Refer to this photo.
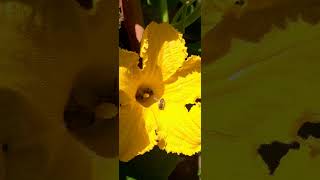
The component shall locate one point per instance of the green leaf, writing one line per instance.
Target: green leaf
(186, 15)
(193, 16)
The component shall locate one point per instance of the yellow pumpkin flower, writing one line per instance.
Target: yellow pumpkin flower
(160, 95)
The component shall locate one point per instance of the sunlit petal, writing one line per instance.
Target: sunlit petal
(136, 131)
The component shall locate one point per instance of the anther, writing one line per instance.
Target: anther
(146, 95)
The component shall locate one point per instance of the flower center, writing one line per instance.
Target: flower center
(145, 96)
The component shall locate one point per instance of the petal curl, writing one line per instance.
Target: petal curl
(136, 131)
(192, 64)
(128, 58)
(162, 46)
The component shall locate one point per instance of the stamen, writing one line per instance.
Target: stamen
(143, 94)
(146, 95)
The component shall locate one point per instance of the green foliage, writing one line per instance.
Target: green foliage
(179, 13)
(188, 13)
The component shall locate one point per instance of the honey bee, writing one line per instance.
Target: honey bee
(161, 104)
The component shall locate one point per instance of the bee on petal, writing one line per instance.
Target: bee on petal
(161, 104)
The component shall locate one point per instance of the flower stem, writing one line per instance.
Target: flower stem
(164, 11)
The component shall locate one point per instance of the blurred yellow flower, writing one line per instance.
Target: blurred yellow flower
(160, 95)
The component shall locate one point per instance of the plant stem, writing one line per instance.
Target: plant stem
(164, 11)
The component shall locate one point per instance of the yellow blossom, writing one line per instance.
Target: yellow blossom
(160, 95)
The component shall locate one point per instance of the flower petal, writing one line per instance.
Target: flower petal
(130, 75)
(128, 58)
(179, 131)
(136, 131)
(179, 128)
(162, 46)
(192, 64)
(184, 87)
